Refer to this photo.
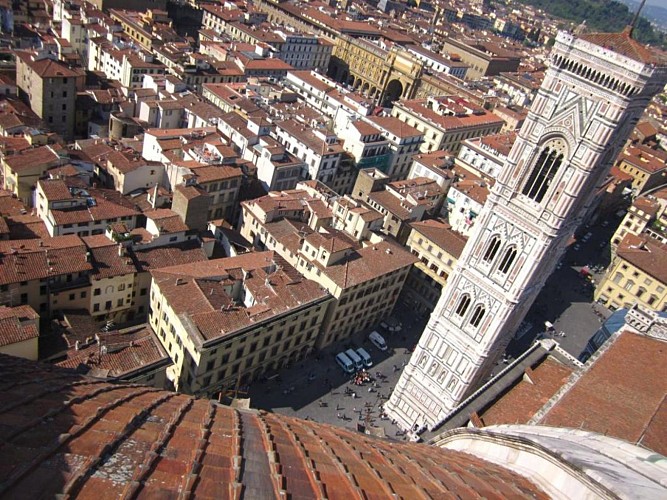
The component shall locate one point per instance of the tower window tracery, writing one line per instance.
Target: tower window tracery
(544, 171)
(492, 249)
(507, 260)
(477, 316)
(464, 303)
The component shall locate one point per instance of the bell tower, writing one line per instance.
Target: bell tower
(593, 93)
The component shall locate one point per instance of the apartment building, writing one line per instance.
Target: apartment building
(437, 165)
(22, 170)
(403, 202)
(73, 210)
(49, 87)
(134, 355)
(637, 274)
(365, 277)
(485, 156)
(404, 143)
(366, 144)
(128, 172)
(277, 169)
(111, 280)
(438, 247)
(647, 167)
(19, 332)
(46, 274)
(232, 320)
(465, 198)
(647, 215)
(446, 121)
(435, 62)
(316, 146)
(483, 58)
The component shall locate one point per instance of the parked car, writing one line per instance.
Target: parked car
(378, 341)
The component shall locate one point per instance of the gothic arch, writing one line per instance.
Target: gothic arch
(463, 305)
(508, 258)
(553, 152)
(492, 248)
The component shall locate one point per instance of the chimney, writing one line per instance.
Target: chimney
(121, 250)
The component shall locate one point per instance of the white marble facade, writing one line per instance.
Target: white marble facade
(588, 104)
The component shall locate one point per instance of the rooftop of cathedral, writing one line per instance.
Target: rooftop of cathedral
(67, 433)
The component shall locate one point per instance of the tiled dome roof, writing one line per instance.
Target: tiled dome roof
(61, 432)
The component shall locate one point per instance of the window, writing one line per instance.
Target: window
(477, 316)
(463, 305)
(83, 295)
(617, 278)
(544, 171)
(652, 300)
(641, 291)
(492, 249)
(628, 286)
(97, 291)
(508, 259)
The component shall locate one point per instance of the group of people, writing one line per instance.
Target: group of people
(362, 377)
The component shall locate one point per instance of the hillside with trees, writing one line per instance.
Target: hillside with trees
(600, 15)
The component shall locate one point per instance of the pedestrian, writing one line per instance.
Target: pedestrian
(338, 415)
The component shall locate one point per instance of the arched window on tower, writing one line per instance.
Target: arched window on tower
(477, 315)
(545, 169)
(507, 260)
(492, 249)
(464, 303)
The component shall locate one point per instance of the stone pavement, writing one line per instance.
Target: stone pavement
(316, 388)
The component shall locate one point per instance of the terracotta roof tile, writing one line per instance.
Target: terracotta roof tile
(621, 394)
(88, 438)
(124, 354)
(624, 44)
(18, 324)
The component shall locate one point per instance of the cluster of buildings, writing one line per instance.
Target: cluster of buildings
(198, 194)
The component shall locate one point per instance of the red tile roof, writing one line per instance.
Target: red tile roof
(623, 44)
(646, 254)
(25, 260)
(443, 235)
(124, 355)
(621, 394)
(43, 156)
(532, 392)
(18, 324)
(65, 433)
(200, 291)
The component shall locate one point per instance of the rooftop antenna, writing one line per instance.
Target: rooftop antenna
(636, 18)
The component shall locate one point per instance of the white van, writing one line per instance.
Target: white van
(345, 363)
(356, 359)
(378, 341)
(368, 362)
